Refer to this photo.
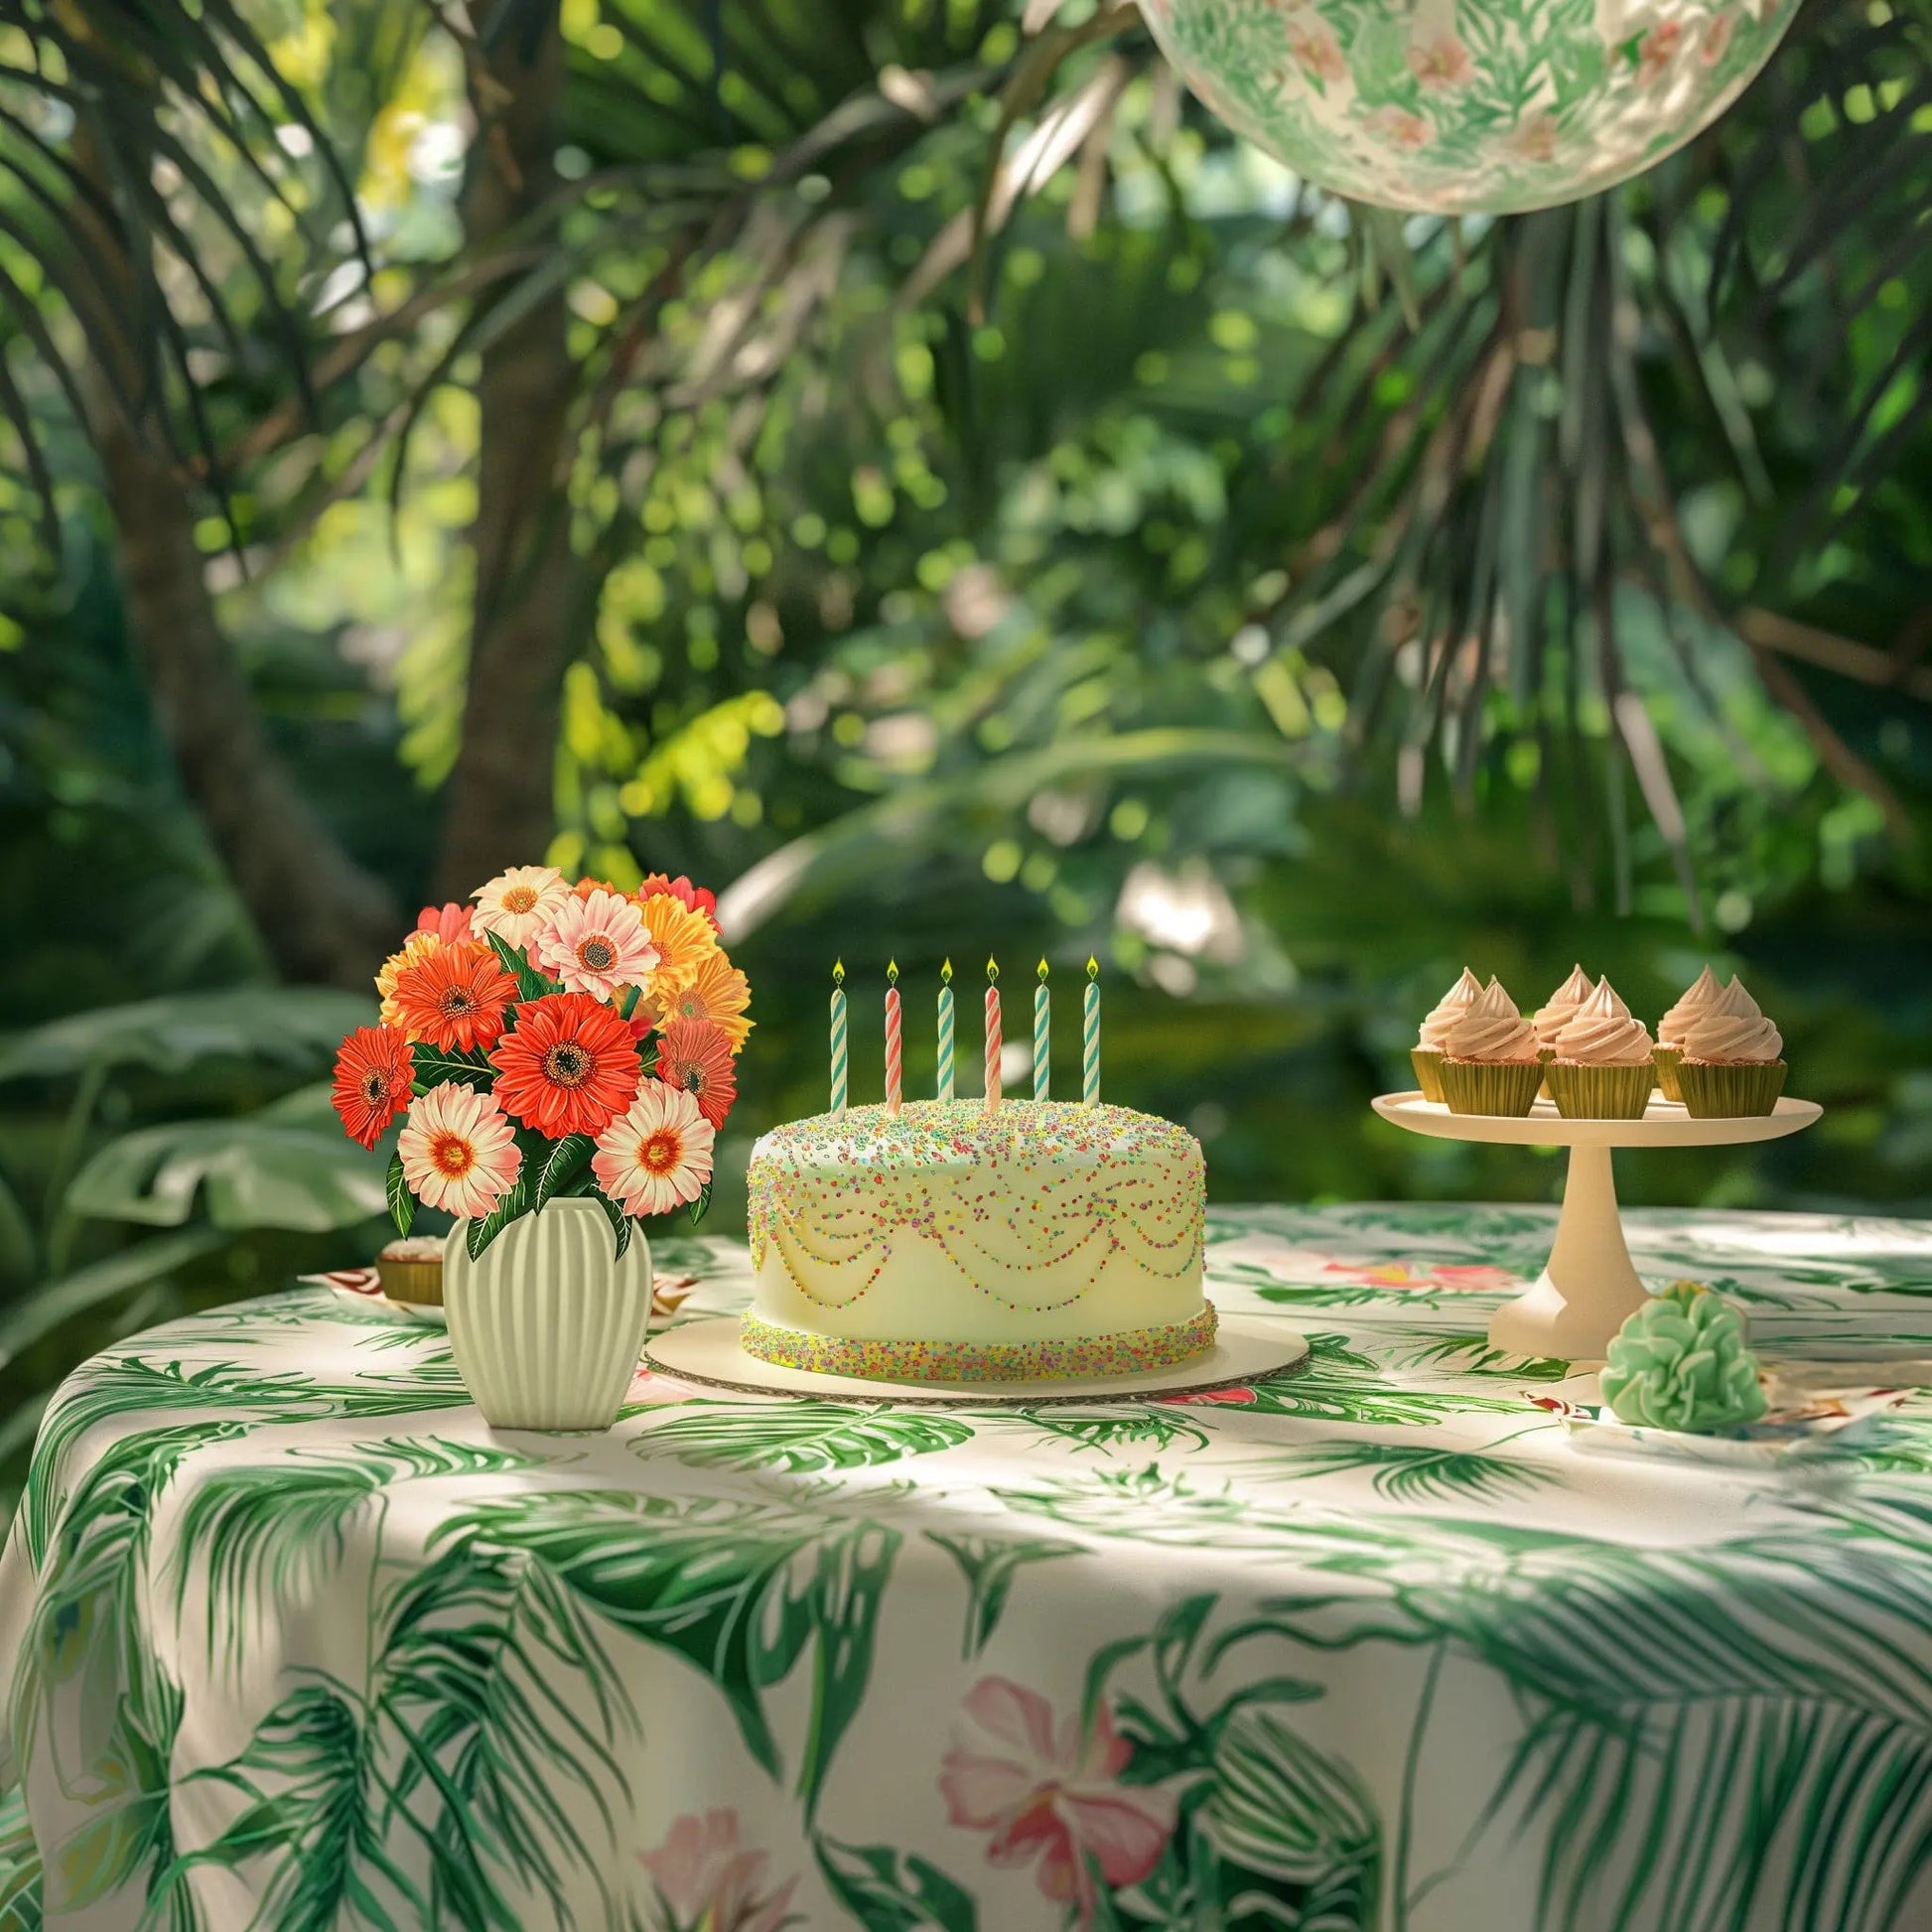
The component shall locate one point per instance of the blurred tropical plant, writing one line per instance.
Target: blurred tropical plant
(909, 457)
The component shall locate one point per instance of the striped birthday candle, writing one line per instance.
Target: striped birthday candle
(945, 1031)
(838, 1036)
(894, 1042)
(1090, 1038)
(1043, 1037)
(992, 1035)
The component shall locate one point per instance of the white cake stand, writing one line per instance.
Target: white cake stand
(1588, 1286)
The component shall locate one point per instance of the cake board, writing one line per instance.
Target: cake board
(1246, 1350)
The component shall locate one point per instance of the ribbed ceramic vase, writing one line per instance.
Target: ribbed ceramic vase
(547, 1323)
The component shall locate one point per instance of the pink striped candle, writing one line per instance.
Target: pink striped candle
(895, 1042)
(992, 1035)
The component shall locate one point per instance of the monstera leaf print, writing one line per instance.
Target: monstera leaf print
(989, 1566)
(20, 1867)
(894, 1891)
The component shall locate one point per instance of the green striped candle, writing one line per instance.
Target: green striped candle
(1043, 1037)
(945, 1030)
(838, 1036)
(1090, 1038)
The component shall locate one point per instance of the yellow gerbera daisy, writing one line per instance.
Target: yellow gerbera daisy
(417, 946)
(684, 940)
(720, 994)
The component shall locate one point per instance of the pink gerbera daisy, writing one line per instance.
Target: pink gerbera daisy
(657, 1155)
(450, 923)
(596, 944)
(459, 1150)
(517, 904)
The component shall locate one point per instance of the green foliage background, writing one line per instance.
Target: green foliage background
(970, 610)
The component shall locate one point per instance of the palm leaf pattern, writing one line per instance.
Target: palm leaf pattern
(295, 1640)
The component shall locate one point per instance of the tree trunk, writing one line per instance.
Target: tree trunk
(320, 916)
(502, 797)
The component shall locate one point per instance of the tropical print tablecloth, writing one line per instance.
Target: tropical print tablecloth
(295, 1642)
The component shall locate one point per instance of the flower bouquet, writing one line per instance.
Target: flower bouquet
(554, 1047)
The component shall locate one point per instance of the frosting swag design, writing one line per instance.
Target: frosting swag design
(952, 1231)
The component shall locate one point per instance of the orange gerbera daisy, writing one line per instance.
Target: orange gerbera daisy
(417, 945)
(684, 940)
(718, 994)
(695, 1054)
(374, 1077)
(569, 1065)
(454, 996)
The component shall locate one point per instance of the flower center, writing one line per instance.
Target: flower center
(453, 1154)
(659, 1153)
(519, 898)
(567, 1064)
(691, 1078)
(456, 1002)
(376, 1089)
(597, 954)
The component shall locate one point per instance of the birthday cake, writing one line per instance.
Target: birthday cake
(954, 1242)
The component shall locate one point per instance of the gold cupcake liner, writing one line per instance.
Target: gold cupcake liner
(1490, 1086)
(1428, 1071)
(1617, 1092)
(420, 1281)
(1543, 1056)
(1665, 1060)
(1729, 1089)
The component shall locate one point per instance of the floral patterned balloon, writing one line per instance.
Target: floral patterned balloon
(1467, 106)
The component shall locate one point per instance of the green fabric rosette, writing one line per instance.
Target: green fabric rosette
(1681, 1362)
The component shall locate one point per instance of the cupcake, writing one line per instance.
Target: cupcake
(1557, 1012)
(1602, 1069)
(1559, 1008)
(1729, 1060)
(1703, 994)
(1427, 1053)
(1489, 1063)
(411, 1270)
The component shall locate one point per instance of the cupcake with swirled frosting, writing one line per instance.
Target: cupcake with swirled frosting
(1427, 1053)
(1700, 997)
(1602, 1069)
(1489, 1063)
(1731, 1058)
(1557, 1012)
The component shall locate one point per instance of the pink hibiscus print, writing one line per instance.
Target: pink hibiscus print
(1657, 51)
(1315, 50)
(707, 1883)
(1239, 1396)
(1466, 1278)
(1054, 1795)
(1536, 138)
(1440, 63)
(1399, 127)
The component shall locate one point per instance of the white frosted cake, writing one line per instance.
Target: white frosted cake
(1040, 1239)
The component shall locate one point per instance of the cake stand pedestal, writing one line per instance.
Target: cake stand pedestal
(1588, 1286)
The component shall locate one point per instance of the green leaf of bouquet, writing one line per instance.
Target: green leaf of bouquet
(509, 1206)
(436, 1064)
(402, 1203)
(564, 1164)
(530, 983)
(619, 1219)
(701, 1204)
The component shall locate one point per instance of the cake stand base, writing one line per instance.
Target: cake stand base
(1587, 1287)
(1247, 1348)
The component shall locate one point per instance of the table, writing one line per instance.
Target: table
(296, 1641)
